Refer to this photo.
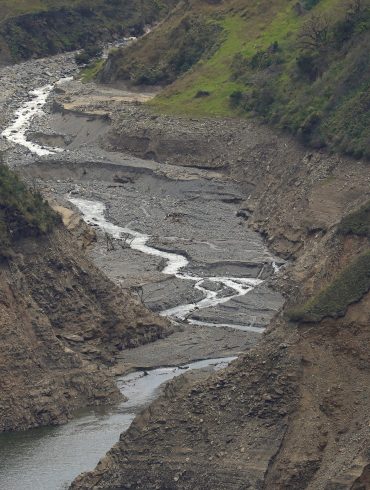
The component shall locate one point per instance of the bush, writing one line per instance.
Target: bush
(202, 93)
(333, 301)
(307, 66)
(343, 31)
(88, 54)
(264, 59)
(309, 4)
(235, 98)
(356, 223)
(260, 100)
(308, 126)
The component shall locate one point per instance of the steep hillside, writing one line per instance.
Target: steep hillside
(22, 213)
(301, 66)
(62, 321)
(44, 27)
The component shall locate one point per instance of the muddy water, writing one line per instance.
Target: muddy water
(50, 458)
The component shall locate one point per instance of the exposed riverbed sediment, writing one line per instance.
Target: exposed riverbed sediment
(171, 237)
(293, 411)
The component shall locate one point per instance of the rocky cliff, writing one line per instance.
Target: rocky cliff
(62, 321)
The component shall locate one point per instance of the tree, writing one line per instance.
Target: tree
(314, 35)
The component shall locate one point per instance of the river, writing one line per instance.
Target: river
(184, 247)
(50, 458)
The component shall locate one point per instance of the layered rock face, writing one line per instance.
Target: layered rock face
(62, 321)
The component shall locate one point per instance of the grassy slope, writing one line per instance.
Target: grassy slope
(356, 223)
(347, 288)
(170, 50)
(332, 110)
(245, 28)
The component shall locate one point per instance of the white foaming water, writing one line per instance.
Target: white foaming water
(17, 131)
(244, 328)
(94, 213)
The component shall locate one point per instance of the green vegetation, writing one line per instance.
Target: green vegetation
(22, 212)
(316, 85)
(301, 66)
(176, 51)
(91, 71)
(43, 27)
(333, 301)
(356, 223)
(89, 54)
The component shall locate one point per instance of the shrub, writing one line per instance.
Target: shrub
(309, 4)
(308, 126)
(235, 98)
(202, 93)
(260, 100)
(356, 223)
(307, 66)
(22, 212)
(333, 301)
(88, 54)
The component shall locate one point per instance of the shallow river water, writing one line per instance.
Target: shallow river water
(50, 458)
(94, 213)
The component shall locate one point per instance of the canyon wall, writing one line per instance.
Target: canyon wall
(293, 412)
(62, 323)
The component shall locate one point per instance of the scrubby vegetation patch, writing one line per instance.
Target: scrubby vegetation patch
(188, 40)
(349, 287)
(356, 223)
(23, 212)
(317, 85)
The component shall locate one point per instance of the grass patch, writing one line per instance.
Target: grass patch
(22, 212)
(356, 223)
(89, 73)
(347, 288)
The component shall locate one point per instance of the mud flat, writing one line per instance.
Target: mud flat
(188, 218)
